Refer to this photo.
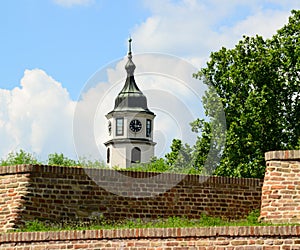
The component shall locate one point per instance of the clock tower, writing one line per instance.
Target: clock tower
(130, 124)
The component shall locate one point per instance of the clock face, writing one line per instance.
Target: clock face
(135, 125)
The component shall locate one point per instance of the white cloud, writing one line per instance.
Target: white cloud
(193, 29)
(262, 23)
(70, 3)
(36, 117)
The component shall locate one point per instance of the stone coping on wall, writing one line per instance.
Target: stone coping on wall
(148, 233)
(164, 176)
(283, 155)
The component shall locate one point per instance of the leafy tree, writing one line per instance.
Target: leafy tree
(202, 146)
(258, 83)
(158, 164)
(175, 151)
(60, 160)
(180, 157)
(17, 158)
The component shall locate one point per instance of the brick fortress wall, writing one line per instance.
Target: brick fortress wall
(281, 188)
(31, 192)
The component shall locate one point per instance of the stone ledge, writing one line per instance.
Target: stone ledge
(283, 155)
(148, 233)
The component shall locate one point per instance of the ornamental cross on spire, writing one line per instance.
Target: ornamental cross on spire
(129, 49)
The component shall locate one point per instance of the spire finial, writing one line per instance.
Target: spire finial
(130, 67)
(129, 44)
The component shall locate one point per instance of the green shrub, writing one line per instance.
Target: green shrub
(17, 158)
(60, 160)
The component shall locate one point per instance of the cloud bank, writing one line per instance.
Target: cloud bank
(193, 29)
(37, 116)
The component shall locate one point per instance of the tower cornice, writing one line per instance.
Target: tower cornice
(130, 140)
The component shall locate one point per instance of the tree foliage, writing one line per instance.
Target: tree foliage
(60, 160)
(258, 84)
(202, 147)
(180, 157)
(23, 157)
(18, 158)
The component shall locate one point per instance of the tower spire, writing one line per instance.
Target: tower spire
(131, 97)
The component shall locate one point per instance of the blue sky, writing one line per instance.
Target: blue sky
(63, 39)
(51, 48)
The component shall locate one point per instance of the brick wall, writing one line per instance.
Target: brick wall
(234, 238)
(31, 192)
(281, 188)
(13, 189)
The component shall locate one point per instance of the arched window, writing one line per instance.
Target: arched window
(135, 155)
(108, 155)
